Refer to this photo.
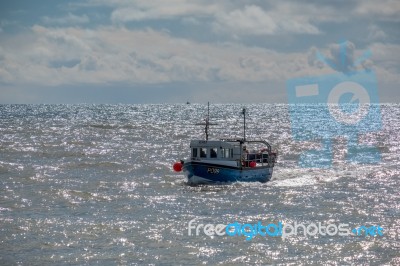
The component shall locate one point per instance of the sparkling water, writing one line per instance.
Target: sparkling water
(93, 184)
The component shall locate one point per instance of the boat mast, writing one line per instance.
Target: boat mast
(207, 121)
(244, 124)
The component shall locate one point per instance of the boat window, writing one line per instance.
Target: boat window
(194, 152)
(213, 152)
(203, 152)
(227, 153)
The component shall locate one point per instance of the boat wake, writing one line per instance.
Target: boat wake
(298, 177)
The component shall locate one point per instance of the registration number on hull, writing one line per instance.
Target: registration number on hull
(212, 170)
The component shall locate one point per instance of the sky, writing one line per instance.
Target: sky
(226, 51)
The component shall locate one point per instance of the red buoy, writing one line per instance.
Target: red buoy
(178, 167)
(253, 164)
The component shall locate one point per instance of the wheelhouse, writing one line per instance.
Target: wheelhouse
(233, 150)
(214, 150)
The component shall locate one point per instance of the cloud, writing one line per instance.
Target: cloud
(340, 57)
(206, 42)
(69, 19)
(384, 59)
(253, 20)
(59, 56)
(375, 33)
(313, 60)
(387, 56)
(149, 10)
(384, 10)
(224, 16)
(250, 20)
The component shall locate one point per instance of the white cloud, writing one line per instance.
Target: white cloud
(112, 54)
(310, 11)
(64, 53)
(384, 60)
(253, 20)
(66, 20)
(387, 56)
(376, 33)
(146, 10)
(342, 55)
(253, 17)
(385, 10)
(59, 56)
(190, 21)
(227, 17)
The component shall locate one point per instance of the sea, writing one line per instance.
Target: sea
(93, 185)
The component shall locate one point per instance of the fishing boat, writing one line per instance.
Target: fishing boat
(227, 160)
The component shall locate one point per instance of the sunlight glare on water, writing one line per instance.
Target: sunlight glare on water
(87, 184)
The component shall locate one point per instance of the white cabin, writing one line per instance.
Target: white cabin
(215, 150)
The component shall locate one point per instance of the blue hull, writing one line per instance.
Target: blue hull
(206, 173)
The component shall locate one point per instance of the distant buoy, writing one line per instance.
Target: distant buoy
(178, 167)
(253, 164)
